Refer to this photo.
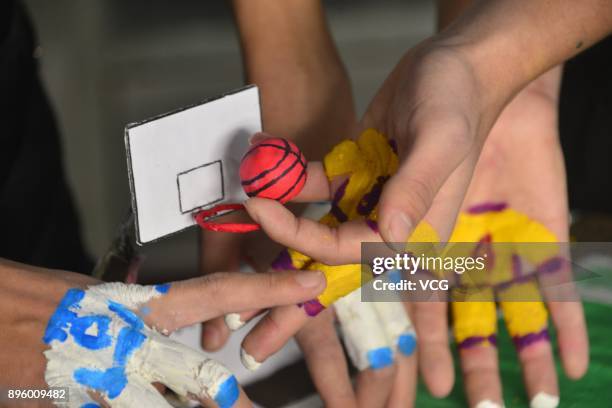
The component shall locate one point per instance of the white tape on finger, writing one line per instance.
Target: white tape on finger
(364, 337)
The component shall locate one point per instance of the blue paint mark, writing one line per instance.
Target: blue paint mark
(127, 341)
(63, 316)
(163, 288)
(394, 276)
(112, 380)
(145, 310)
(228, 393)
(406, 343)
(126, 314)
(90, 405)
(380, 357)
(80, 325)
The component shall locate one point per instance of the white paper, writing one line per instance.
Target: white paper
(187, 160)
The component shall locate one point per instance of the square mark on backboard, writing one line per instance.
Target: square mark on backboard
(200, 186)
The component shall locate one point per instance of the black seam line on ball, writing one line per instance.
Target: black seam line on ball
(267, 171)
(302, 174)
(272, 182)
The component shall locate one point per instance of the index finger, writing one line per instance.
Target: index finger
(332, 246)
(200, 299)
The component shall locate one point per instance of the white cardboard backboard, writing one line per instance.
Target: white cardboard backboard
(187, 160)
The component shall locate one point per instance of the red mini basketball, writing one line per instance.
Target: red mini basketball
(273, 168)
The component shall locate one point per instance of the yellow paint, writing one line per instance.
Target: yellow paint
(474, 319)
(507, 226)
(363, 161)
(524, 317)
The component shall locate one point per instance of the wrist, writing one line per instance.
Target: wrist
(30, 293)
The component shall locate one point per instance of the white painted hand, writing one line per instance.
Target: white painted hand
(101, 346)
(106, 346)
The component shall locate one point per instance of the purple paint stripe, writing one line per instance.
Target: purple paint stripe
(474, 341)
(335, 210)
(487, 207)
(515, 281)
(373, 225)
(313, 307)
(520, 342)
(517, 267)
(283, 261)
(552, 265)
(393, 145)
(340, 192)
(370, 200)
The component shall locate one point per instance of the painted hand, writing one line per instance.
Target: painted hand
(101, 349)
(521, 169)
(102, 340)
(381, 342)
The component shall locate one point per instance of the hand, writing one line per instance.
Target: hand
(439, 139)
(434, 108)
(522, 167)
(342, 244)
(122, 317)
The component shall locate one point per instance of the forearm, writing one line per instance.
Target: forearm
(546, 85)
(513, 42)
(289, 53)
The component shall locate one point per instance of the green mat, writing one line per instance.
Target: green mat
(593, 390)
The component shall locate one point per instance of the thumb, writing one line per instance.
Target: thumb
(437, 149)
(200, 299)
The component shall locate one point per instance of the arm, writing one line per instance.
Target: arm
(513, 42)
(289, 53)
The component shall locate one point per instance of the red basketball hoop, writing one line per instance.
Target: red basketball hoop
(202, 216)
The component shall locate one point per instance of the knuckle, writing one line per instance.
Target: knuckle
(215, 286)
(271, 281)
(418, 194)
(271, 324)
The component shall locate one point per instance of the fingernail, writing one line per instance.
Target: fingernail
(380, 358)
(233, 321)
(406, 343)
(228, 392)
(248, 361)
(211, 336)
(399, 230)
(544, 400)
(310, 279)
(488, 404)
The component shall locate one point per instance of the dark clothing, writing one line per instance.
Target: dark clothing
(585, 123)
(38, 222)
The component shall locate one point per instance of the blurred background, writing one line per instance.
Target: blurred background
(108, 63)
